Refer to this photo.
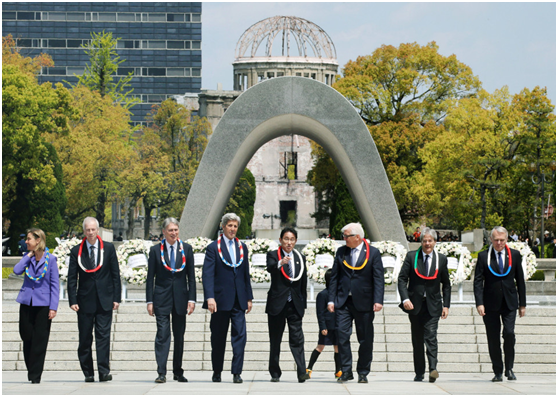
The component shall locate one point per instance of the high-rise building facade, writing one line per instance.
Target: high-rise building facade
(161, 43)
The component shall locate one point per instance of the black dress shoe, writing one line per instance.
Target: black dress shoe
(161, 379)
(433, 376)
(418, 378)
(237, 378)
(274, 379)
(180, 378)
(510, 375)
(216, 377)
(105, 377)
(345, 377)
(497, 378)
(35, 381)
(90, 378)
(362, 378)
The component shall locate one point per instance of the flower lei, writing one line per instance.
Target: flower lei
(136, 275)
(283, 269)
(221, 254)
(488, 262)
(528, 258)
(318, 247)
(394, 249)
(437, 264)
(365, 261)
(62, 253)
(465, 260)
(44, 270)
(181, 248)
(101, 254)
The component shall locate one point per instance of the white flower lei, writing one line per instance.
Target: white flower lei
(318, 247)
(395, 249)
(462, 254)
(138, 275)
(528, 258)
(199, 244)
(62, 253)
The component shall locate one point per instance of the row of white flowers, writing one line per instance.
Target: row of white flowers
(132, 258)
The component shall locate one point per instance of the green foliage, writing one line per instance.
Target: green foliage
(343, 210)
(242, 203)
(537, 276)
(6, 271)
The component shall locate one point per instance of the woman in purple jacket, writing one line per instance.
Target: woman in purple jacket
(39, 301)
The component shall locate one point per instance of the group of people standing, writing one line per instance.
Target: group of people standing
(354, 293)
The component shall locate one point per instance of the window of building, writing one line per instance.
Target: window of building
(24, 42)
(71, 70)
(124, 71)
(9, 15)
(156, 71)
(299, 74)
(154, 98)
(196, 17)
(26, 15)
(107, 16)
(73, 43)
(196, 72)
(287, 211)
(56, 16)
(196, 45)
(280, 74)
(175, 17)
(126, 17)
(270, 75)
(175, 71)
(156, 44)
(75, 16)
(55, 70)
(306, 74)
(175, 44)
(187, 72)
(156, 17)
(187, 45)
(57, 43)
(125, 44)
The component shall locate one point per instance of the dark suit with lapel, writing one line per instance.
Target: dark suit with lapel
(95, 294)
(354, 293)
(231, 290)
(501, 297)
(427, 310)
(279, 310)
(170, 293)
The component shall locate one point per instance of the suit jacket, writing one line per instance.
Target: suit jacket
(84, 288)
(491, 290)
(44, 292)
(165, 288)
(366, 285)
(221, 282)
(413, 287)
(281, 287)
(326, 319)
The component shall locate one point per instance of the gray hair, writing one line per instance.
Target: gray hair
(499, 229)
(231, 216)
(90, 219)
(168, 221)
(355, 228)
(430, 232)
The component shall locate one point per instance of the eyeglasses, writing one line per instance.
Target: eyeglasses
(345, 236)
(289, 240)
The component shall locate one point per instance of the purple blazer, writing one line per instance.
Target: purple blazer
(44, 292)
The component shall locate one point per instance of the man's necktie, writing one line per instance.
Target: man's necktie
(290, 273)
(92, 262)
(231, 253)
(172, 259)
(426, 265)
(500, 263)
(354, 257)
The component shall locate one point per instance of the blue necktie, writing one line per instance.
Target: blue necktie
(172, 257)
(500, 263)
(231, 253)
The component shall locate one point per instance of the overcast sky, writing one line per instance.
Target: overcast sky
(511, 44)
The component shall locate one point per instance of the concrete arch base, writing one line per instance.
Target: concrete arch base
(283, 106)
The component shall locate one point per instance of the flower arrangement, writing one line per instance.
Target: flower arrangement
(199, 272)
(260, 246)
(62, 253)
(529, 260)
(391, 248)
(259, 275)
(462, 254)
(321, 246)
(199, 244)
(135, 275)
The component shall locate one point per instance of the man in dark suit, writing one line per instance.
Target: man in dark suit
(356, 291)
(497, 297)
(94, 292)
(286, 301)
(420, 278)
(170, 288)
(227, 295)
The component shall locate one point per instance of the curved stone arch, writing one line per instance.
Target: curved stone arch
(283, 106)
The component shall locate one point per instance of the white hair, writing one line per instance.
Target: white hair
(430, 232)
(355, 228)
(231, 216)
(169, 221)
(499, 229)
(90, 219)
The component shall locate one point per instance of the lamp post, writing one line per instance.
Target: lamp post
(271, 216)
(539, 178)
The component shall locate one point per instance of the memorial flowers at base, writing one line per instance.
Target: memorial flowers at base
(62, 253)
(322, 246)
(464, 259)
(528, 258)
(199, 244)
(394, 249)
(138, 274)
(258, 271)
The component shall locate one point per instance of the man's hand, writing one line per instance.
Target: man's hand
(324, 332)
(115, 305)
(51, 314)
(378, 307)
(249, 307)
(211, 305)
(445, 312)
(150, 309)
(480, 309)
(521, 311)
(408, 305)
(331, 307)
(74, 308)
(191, 307)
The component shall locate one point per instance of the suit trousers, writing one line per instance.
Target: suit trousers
(364, 323)
(276, 326)
(34, 329)
(493, 325)
(219, 326)
(163, 342)
(424, 330)
(102, 321)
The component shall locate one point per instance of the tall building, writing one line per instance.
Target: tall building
(161, 43)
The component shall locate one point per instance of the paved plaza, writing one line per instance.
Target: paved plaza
(257, 383)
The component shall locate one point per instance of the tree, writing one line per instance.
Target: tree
(242, 202)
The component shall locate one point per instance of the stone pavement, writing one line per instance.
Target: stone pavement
(257, 382)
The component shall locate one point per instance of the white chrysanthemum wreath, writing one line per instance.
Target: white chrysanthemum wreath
(322, 246)
(464, 259)
(133, 267)
(395, 249)
(62, 254)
